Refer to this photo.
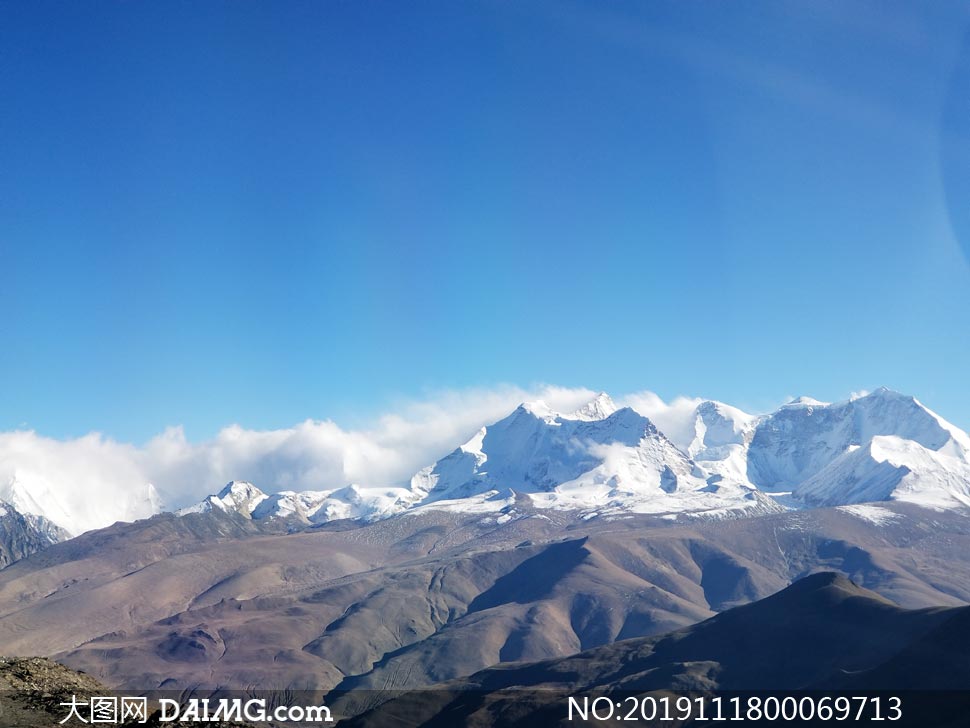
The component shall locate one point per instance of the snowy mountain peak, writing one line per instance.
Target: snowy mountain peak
(23, 534)
(538, 409)
(305, 507)
(721, 434)
(717, 424)
(237, 496)
(591, 463)
(240, 490)
(890, 468)
(885, 391)
(885, 394)
(474, 445)
(804, 401)
(598, 408)
(797, 444)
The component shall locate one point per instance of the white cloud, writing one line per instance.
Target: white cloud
(78, 483)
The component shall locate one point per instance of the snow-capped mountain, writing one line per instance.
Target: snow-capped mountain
(805, 436)
(889, 468)
(236, 497)
(24, 534)
(598, 459)
(598, 408)
(350, 502)
(604, 459)
(720, 436)
(883, 446)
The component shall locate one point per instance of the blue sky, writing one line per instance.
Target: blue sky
(263, 212)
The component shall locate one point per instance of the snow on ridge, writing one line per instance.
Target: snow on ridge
(794, 444)
(804, 401)
(348, 502)
(876, 515)
(239, 496)
(598, 408)
(601, 459)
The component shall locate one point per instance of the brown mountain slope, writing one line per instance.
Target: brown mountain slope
(802, 638)
(188, 604)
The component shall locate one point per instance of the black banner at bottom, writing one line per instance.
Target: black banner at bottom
(502, 708)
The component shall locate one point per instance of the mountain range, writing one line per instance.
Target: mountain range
(823, 633)
(215, 599)
(605, 460)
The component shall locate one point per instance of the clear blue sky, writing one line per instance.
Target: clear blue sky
(216, 212)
